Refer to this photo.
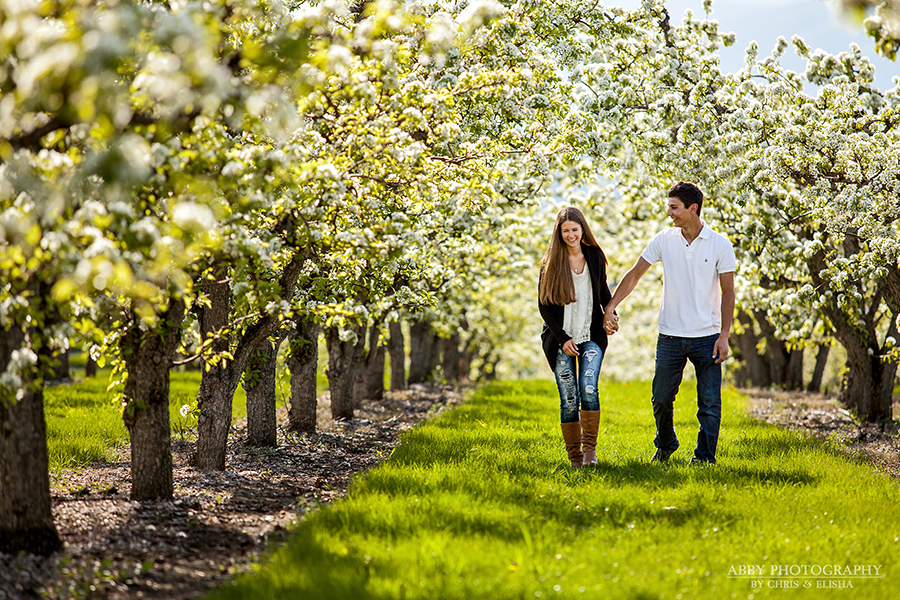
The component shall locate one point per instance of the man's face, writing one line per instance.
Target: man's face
(678, 213)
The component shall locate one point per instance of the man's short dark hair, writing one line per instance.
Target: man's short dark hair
(688, 193)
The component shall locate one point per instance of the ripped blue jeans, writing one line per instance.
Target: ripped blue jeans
(581, 391)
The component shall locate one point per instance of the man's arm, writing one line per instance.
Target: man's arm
(726, 282)
(625, 287)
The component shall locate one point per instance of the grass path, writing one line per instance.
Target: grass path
(477, 504)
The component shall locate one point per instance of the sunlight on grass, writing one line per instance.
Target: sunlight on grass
(479, 504)
(84, 424)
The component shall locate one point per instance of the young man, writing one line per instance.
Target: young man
(694, 317)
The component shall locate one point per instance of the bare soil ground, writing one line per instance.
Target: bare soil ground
(219, 522)
(821, 416)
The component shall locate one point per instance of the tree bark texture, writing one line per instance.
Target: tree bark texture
(220, 381)
(753, 370)
(343, 360)
(397, 350)
(216, 396)
(421, 348)
(815, 382)
(794, 370)
(435, 359)
(303, 360)
(868, 384)
(778, 366)
(259, 383)
(369, 384)
(26, 519)
(785, 367)
(148, 356)
(465, 362)
(452, 358)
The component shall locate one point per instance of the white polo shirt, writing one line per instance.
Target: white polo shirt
(692, 299)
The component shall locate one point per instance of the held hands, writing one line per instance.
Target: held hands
(611, 322)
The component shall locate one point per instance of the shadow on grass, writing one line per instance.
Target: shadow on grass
(672, 475)
(519, 454)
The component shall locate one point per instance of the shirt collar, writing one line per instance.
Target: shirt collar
(705, 231)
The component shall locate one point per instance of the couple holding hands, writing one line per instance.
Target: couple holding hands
(696, 309)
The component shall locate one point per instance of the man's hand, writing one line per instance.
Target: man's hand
(720, 350)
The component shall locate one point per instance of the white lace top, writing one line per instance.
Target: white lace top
(577, 315)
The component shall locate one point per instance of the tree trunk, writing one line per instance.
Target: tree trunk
(421, 342)
(369, 384)
(794, 372)
(452, 358)
(868, 389)
(465, 362)
(785, 366)
(343, 360)
(777, 367)
(753, 372)
(302, 360)
(216, 396)
(815, 383)
(259, 383)
(397, 350)
(869, 382)
(437, 348)
(26, 518)
(148, 355)
(218, 383)
(90, 367)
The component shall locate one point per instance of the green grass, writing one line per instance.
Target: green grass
(84, 424)
(477, 504)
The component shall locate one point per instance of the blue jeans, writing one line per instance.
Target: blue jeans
(580, 391)
(672, 353)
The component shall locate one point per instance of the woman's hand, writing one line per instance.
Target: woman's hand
(570, 348)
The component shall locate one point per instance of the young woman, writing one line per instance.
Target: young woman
(572, 296)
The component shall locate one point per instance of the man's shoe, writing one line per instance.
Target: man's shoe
(660, 456)
(699, 462)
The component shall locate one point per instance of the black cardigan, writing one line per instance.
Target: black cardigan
(553, 336)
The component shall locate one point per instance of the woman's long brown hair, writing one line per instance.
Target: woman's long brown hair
(557, 286)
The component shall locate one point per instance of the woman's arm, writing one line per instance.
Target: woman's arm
(553, 316)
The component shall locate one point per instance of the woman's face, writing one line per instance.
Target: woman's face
(571, 233)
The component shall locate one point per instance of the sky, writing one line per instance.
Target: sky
(818, 22)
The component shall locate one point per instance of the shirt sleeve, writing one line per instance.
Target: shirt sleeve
(653, 252)
(726, 262)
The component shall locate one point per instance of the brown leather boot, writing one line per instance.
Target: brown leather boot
(572, 437)
(590, 424)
